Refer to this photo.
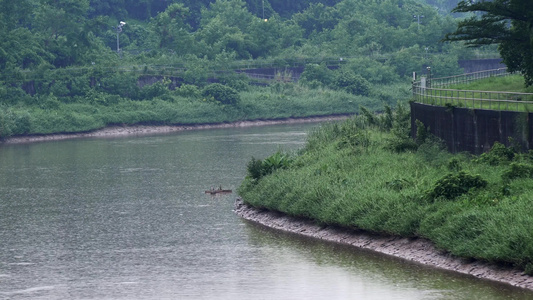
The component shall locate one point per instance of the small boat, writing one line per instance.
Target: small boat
(214, 191)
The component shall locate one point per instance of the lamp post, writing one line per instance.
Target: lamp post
(418, 19)
(119, 30)
(429, 77)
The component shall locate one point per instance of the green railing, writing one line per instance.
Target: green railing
(433, 91)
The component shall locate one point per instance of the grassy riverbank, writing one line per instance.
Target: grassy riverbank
(185, 105)
(365, 173)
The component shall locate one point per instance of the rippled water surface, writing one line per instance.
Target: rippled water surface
(127, 218)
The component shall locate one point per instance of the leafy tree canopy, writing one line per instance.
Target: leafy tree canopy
(507, 23)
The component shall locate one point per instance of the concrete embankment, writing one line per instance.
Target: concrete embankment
(416, 250)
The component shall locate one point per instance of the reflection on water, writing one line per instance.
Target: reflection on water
(127, 218)
(369, 274)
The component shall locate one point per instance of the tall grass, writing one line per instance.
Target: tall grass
(50, 114)
(363, 185)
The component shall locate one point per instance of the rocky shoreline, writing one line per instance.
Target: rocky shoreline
(137, 130)
(412, 249)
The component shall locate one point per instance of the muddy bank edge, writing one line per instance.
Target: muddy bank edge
(132, 130)
(416, 250)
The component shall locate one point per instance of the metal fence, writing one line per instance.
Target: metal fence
(433, 91)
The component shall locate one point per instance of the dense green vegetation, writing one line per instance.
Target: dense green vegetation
(60, 70)
(185, 105)
(506, 23)
(366, 173)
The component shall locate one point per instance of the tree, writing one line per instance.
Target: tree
(221, 93)
(171, 29)
(317, 18)
(61, 25)
(507, 23)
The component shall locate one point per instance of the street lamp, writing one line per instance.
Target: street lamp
(418, 19)
(119, 30)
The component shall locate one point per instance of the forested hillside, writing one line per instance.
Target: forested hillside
(56, 53)
(61, 33)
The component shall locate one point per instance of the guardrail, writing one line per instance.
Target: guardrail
(467, 77)
(432, 91)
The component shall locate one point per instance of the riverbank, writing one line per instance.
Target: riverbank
(416, 250)
(138, 130)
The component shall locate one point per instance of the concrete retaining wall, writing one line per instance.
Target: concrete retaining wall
(474, 130)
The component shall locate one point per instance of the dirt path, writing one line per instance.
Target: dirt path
(415, 250)
(114, 131)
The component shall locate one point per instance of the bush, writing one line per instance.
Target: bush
(422, 132)
(399, 144)
(401, 140)
(120, 83)
(157, 89)
(518, 170)
(7, 122)
(497, 154)
(257, 168)
(454, 165)
(221, 93)
(238, 82)
(351, 83)
(276, 161)
(316, 75)
(456, 184)
(188, 91)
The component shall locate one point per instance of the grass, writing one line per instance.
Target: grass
(512, 83)
(51, 114)
(494, 93)
(363, 185)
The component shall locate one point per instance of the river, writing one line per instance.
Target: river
(127, 218)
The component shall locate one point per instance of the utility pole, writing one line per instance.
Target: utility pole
(264, 11)
(119, 30)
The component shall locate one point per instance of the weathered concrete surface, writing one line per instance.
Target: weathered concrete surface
(416, 250)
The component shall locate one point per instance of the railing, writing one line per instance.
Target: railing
(467, 78)
(432, 91)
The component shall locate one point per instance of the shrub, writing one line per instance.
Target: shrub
(456, 184)
(399, 144)
(239, 82)
(454, 165)
(157, 89)
(122, 84)
(7, 122)
(221, 93)
(255, 168)
(518, 170)
(422, 132)
(188, 91)
(401, 140)
(433, 151)
(496, 155)
(353, 140)
(275, 161)
(351, 83)
(316, 75)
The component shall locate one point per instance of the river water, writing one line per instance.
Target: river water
(127, 218)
